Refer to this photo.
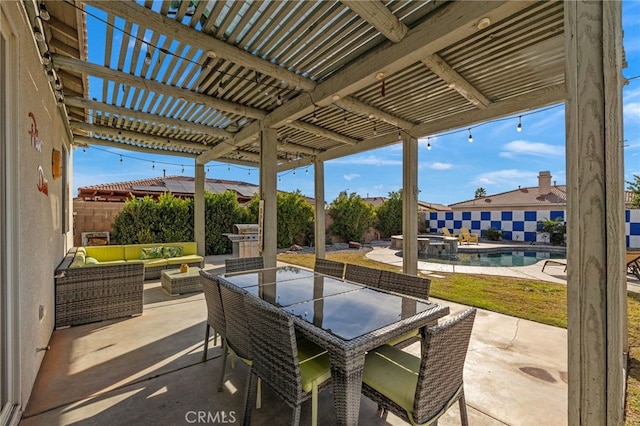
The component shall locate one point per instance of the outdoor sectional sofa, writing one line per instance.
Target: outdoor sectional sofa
(97, 283)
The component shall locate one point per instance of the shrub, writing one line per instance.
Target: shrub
(351, 215)
(295, 218)
(389, 215)
(222, 211)
(493, 234)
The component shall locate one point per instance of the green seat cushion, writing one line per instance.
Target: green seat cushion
(91, 260)
(407, 336)
(192, 258)
(147, 253)
(188, 247)
(314, 364)
(106, 253)
(149, 263)
(393, 373)
(108, 262)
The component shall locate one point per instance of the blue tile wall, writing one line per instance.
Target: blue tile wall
(520, 230)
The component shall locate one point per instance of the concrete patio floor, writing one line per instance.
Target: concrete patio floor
(148, 370)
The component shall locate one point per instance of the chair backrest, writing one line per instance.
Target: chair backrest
(444, 351)
(410, 285)
(215, 313)
(446, 232)
(236, 320)
(329, 267)
(362, 275)
(243, 264)
(465, 232)
(275, 352)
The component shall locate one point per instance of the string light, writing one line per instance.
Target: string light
(346, 120)
(121, 161)
(46, 58)
(314, 117)
(207, 169)
(182, 169)
(84, 150)
(306, 171)
(519, 128)
(428, 144)
(294, 172)
(153, 166)
(399, 135)
(228, 168)
(249, 172)
(279, 100)
(375, 131)
(470, 136)
(147, 58)
(38, 34)
(279, 178)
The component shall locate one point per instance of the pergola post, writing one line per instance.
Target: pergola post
(410, 206)
(595, 209)
(268, 195)
(320, 242)
(198, 209)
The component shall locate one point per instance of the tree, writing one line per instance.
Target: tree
(480, 192)
(389, 215)
(635, 188)
(351, 215)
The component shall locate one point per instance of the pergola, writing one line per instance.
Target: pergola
(279, 85)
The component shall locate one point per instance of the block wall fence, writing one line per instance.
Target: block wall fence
(518, 225)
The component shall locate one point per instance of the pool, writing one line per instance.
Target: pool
(499, 258)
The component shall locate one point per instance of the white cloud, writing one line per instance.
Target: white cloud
(371, 160)
(510, 178)
(440, 166)
(632, 111)
(539, 149)
(351, 176)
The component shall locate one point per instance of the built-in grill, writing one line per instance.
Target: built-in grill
(245, 242)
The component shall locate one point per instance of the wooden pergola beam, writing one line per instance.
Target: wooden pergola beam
(380, 17)
(455, 80)
(148, 18)
(88, 141)
(76, 65)
(322, 132)
(160, 141)
(147, 117)
(352, 104)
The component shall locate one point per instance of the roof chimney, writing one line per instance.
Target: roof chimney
(544, 182)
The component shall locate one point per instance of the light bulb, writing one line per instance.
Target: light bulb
(46, 58)
(38, 34)
(470, 136)
(399, 135)
(228, 168)
(294, 172)
(314, 118)
(121, 159)
(279, 100)
(44, 13)
(519, 128)
(375, 131)
(428, 145)
(147, 58)
(182, 169)
(50, 75)
(153, 166)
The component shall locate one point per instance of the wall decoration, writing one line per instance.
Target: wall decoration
(56, 163)
(36, 142)
(43, 183)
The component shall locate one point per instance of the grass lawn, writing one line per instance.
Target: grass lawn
(523, 298)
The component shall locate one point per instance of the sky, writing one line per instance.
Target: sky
(499, 159)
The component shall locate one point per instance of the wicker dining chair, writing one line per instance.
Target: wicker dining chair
(409, 285)
(243, 264)
(237, 337)
(329, 267)
(437, 376)
(215, 314)
(295, 369)
(362, 275)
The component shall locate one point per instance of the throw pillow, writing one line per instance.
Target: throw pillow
(171, 251)
(151, 253)
(91, 261)
(78, 260)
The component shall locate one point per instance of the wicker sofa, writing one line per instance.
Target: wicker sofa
(97, 283)
(156, 257)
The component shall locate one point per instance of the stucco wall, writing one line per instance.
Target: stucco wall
(42, 243)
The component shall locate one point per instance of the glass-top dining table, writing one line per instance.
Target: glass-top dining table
(346, 318)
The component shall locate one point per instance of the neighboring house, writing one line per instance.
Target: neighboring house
(545, 196)
(423, 206)
(96, 206)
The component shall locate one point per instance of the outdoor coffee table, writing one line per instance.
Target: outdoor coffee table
(175, 282)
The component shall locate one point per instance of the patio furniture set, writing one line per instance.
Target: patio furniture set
(300, 330)
(98, 283)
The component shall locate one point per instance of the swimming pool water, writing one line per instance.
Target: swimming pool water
(513, 258)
